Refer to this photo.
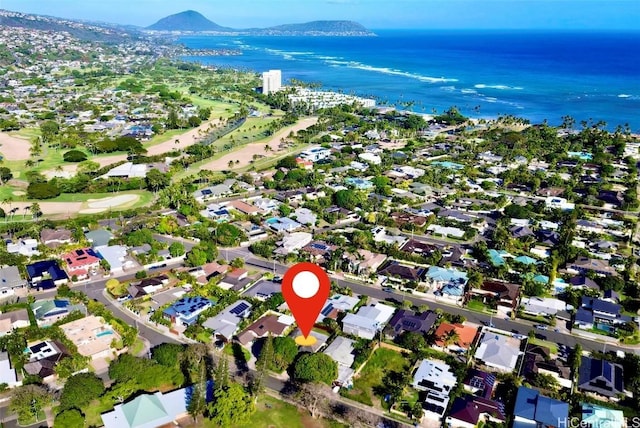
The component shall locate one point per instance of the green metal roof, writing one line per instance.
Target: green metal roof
(142, 410)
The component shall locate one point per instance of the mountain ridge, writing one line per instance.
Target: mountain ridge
(192, 21)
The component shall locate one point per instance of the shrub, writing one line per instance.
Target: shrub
(74, 156)
(42, 191)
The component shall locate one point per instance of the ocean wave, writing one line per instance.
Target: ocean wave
(500, 87)
(624, 96)
(468, 91)
(395, 72)
(448, 88)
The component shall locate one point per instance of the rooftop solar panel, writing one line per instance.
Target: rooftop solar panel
(239, 309)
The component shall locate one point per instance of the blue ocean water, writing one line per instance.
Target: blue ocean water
(535, 75)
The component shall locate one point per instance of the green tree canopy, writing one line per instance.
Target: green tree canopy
(80, 389)
(284, 352)
(28, 402)
(176, 249)
(74, 156)
(231, 405)
(71, 418)
(348, 199)
(315, 368)
(167, 354)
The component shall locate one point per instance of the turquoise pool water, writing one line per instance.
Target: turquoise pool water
(104, 333)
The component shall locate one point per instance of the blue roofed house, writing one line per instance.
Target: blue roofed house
(46, 274)
(601, 377)
(186, 310)
(598, 416)
(533, 410)
(451, 283)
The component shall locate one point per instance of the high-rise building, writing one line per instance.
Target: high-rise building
(271, 81)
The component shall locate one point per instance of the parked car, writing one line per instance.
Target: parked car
(541, 327)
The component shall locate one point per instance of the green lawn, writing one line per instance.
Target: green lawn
(92, 411)
(27, 133)
(371, 377)
(476, 305)
(553, 347)
(231, 350)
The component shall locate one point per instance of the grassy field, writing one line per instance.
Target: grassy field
(371, 377)
(553, 347)
(27, 133)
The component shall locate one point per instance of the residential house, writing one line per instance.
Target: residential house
(538, 360)
(116, 256)
(212, 192)
(464, 336)
(148, 286)
(533, 410)
(266, 205)
(598, 416)
(521, 232)
(292, 242)
(152, 410)
(585, 265)
(368, 321)
(274, 324)
(364, 262)
(186, 310)
(321, 340)
(408, 321)
(600, 377)
(413, 246)
(479, 383)
(542, 306)
(453, 232)
(263, 289)
(236, 280)
(600, 314)
(225, 324)
(402, 218)
(80, 262)
(46, 274)
(27, 247)
(99, 237)
(305, 216)
(216, 212)
(43, 358)
(336, 305)
(253, 231)
(342, 351)
(9, 321)
(583, 282)
(498, 292)
(450, 283)
(319, 251)
(557, 203)
(395, 271)
(436, 379)
(243, 207)
(611, 197)
(10, 278)
(469, 411)
(92, 336)
(498, 351)
(46, 312)
(8, 375)
(283, 224)
(53, 238)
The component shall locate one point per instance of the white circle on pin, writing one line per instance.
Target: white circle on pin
(306, 284)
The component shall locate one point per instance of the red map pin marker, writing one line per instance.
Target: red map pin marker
(305, 287)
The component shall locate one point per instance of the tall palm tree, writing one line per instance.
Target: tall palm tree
(35, 210)
(450, 338)
(7, 201)
(26, 209)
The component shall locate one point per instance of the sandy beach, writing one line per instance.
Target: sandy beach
(14, 148)
(245, 153)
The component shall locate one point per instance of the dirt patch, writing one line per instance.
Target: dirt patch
(14, 148)
(19, 193)
(245, 154)
(51, 208)
(112, 201)
(67, 171)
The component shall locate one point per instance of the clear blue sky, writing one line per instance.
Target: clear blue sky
(441, 14)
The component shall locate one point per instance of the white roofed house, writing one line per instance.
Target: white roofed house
(436, 379)
(225, 324)
(368, 321)
(498, 351)
(342, 352)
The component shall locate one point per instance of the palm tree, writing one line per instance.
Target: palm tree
(26, 208)
(35, 210)
(230, 164)
(7, 201)
(450, 338)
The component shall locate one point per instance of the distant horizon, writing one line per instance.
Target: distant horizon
(511, 15)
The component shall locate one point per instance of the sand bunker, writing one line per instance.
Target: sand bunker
(49, 208)
(112, 201)
(14, 148)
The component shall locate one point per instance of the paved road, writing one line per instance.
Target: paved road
(516, 326)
